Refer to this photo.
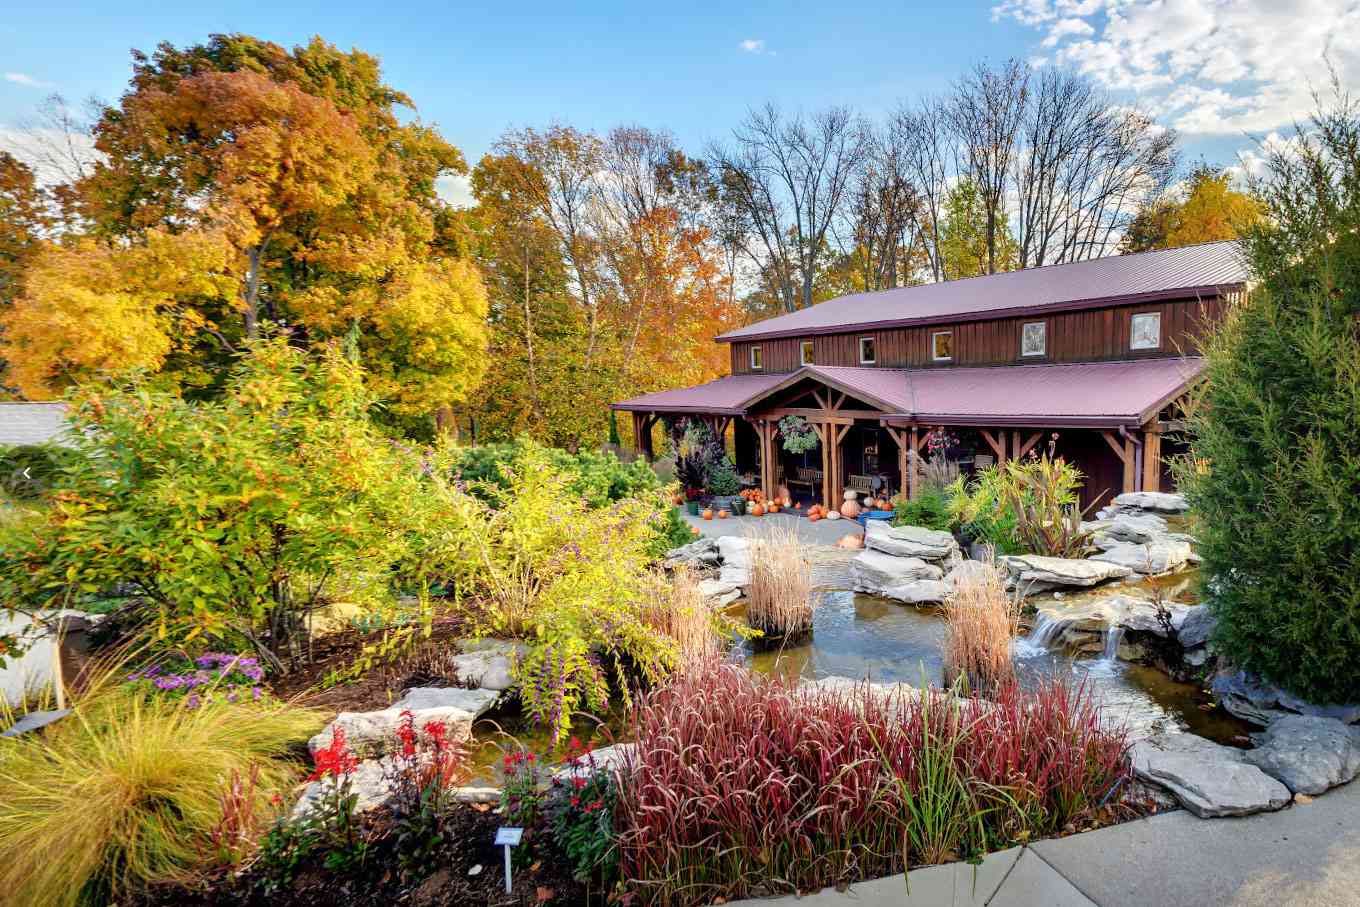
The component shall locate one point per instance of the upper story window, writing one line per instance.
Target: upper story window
(942, 346)
(805, 349)
(1145, 331)
(1034, 338)
(868, 352)
(755, 358)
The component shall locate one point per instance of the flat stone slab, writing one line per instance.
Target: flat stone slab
(736, 577)
(1208, 779)
(717, 593)
(372, 734)
(700, 553)
(605, 759)
(1310, 754)
(735, 551)
(892, 577)
(1156, 501)
(909, 541)
(487, 670)
(1154, 558)
(1253, 699)
(1036, 572)
(1138, 529)
(1124, 611)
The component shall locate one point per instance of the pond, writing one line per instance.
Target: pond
(861, 636)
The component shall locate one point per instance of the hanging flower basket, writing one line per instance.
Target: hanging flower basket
(798, 435)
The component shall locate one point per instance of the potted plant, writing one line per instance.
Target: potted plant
(738, 506)
(799, 436)
(723, 483)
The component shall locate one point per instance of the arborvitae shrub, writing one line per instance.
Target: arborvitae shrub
(1277, 430)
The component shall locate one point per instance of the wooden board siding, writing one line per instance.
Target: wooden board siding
(1092, 335)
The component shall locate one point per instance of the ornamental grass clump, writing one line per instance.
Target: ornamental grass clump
(981, 620)
(676, 607)
(779, 601)
(742, 784)
(133, 788)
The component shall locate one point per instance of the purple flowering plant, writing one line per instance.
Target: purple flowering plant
(211, 677)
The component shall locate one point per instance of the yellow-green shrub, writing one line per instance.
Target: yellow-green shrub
(128, 789)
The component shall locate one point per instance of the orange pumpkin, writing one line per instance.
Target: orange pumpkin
(678, 500)
(723, 514)
(756, 510)
(708, 513)
(774, 508)
(814, 517)
(694, 529)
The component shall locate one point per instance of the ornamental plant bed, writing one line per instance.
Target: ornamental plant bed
(470, 831)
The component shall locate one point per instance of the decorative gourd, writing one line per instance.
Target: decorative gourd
(782, 495)
(850, 509)
(850, 494)
(814, 517)
(773, 508)
(708, 513)
(833, 514)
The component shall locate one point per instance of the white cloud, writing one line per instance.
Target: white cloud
(455, 189)
(1212, 67)
(753, 45)
(23, 78)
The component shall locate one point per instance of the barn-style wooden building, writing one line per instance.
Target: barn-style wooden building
(1091, 357)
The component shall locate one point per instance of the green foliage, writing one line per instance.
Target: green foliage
(722, 478)
(798, 435)
(581, 817)
(674, 532)
(129, 789)
(236, 517)
(930, 509)
(568, 579)
(28, 471)
(1275, 468)
(599, 478)
(1042, 494)
(977, 511)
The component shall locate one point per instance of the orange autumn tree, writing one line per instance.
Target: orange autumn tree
(1209, 210)
(604, 281)
(23, 220)
(323, 201)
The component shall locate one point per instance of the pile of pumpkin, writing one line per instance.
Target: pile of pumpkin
(756, 505)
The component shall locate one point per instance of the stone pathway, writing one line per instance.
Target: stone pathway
(1308, 854)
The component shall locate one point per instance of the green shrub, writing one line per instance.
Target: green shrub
(1274, 472)
(672, 533)
(598, 478)
(234, 518)
(722, 479)
(131, 789)
(930, 509)
(28, 471)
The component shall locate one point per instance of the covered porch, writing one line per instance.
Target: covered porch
(871, 424)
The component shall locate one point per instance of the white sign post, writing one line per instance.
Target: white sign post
(508, 838)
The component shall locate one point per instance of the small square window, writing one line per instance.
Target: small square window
(868, 352)
(1034, 339)
(806, 348)
(755, 358)
(1145, 331)
(942, 346)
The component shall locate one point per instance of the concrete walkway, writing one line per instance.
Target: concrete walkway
(1308, 854)
(822, 532)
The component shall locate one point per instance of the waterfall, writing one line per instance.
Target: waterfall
(1046, 629)
(1113, 635)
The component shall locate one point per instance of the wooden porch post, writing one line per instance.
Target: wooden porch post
(1152, 458)
(1123, 449)
(909, 465)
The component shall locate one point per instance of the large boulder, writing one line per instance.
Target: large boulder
(1208, 779)
(700, 554)
(1036, 573)
(1138, 530)
(1156, 501)
(1196, 627)
(909, 541)
(895, 577)
(738, 577)
(1252, 699)
(717, 593)
(1161, 556)
(372, 734)
(489, 670)
(611, 758)
(1308, 753)
(735, 551)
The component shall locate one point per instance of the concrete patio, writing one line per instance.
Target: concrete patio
(1305, 855)
(822, 532)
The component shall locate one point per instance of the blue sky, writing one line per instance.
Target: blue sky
(1219, 70)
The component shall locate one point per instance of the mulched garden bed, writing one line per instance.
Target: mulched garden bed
(471, 831)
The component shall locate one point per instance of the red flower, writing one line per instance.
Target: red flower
(579, 782)
(406, 733)
(334, 760)
(575, 801)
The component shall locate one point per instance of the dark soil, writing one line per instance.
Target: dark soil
(450, 882)
(423, 664)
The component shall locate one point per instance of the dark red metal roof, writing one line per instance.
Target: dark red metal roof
(1203, 270)
(1098, 394)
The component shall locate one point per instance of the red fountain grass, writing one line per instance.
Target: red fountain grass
(742, 785)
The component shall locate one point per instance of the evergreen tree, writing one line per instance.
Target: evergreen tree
(1278, 428)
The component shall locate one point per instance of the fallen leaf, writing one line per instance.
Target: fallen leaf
(545, 894)
(538, 864)
(481, 807)
(1303, 798)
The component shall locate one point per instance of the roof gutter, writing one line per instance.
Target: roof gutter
(1044, 308)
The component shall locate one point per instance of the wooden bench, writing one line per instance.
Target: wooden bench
(861, 484)
(807, 476)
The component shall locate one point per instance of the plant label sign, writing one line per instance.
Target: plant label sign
(508, 837)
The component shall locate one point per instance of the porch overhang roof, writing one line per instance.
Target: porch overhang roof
(1079, 394)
